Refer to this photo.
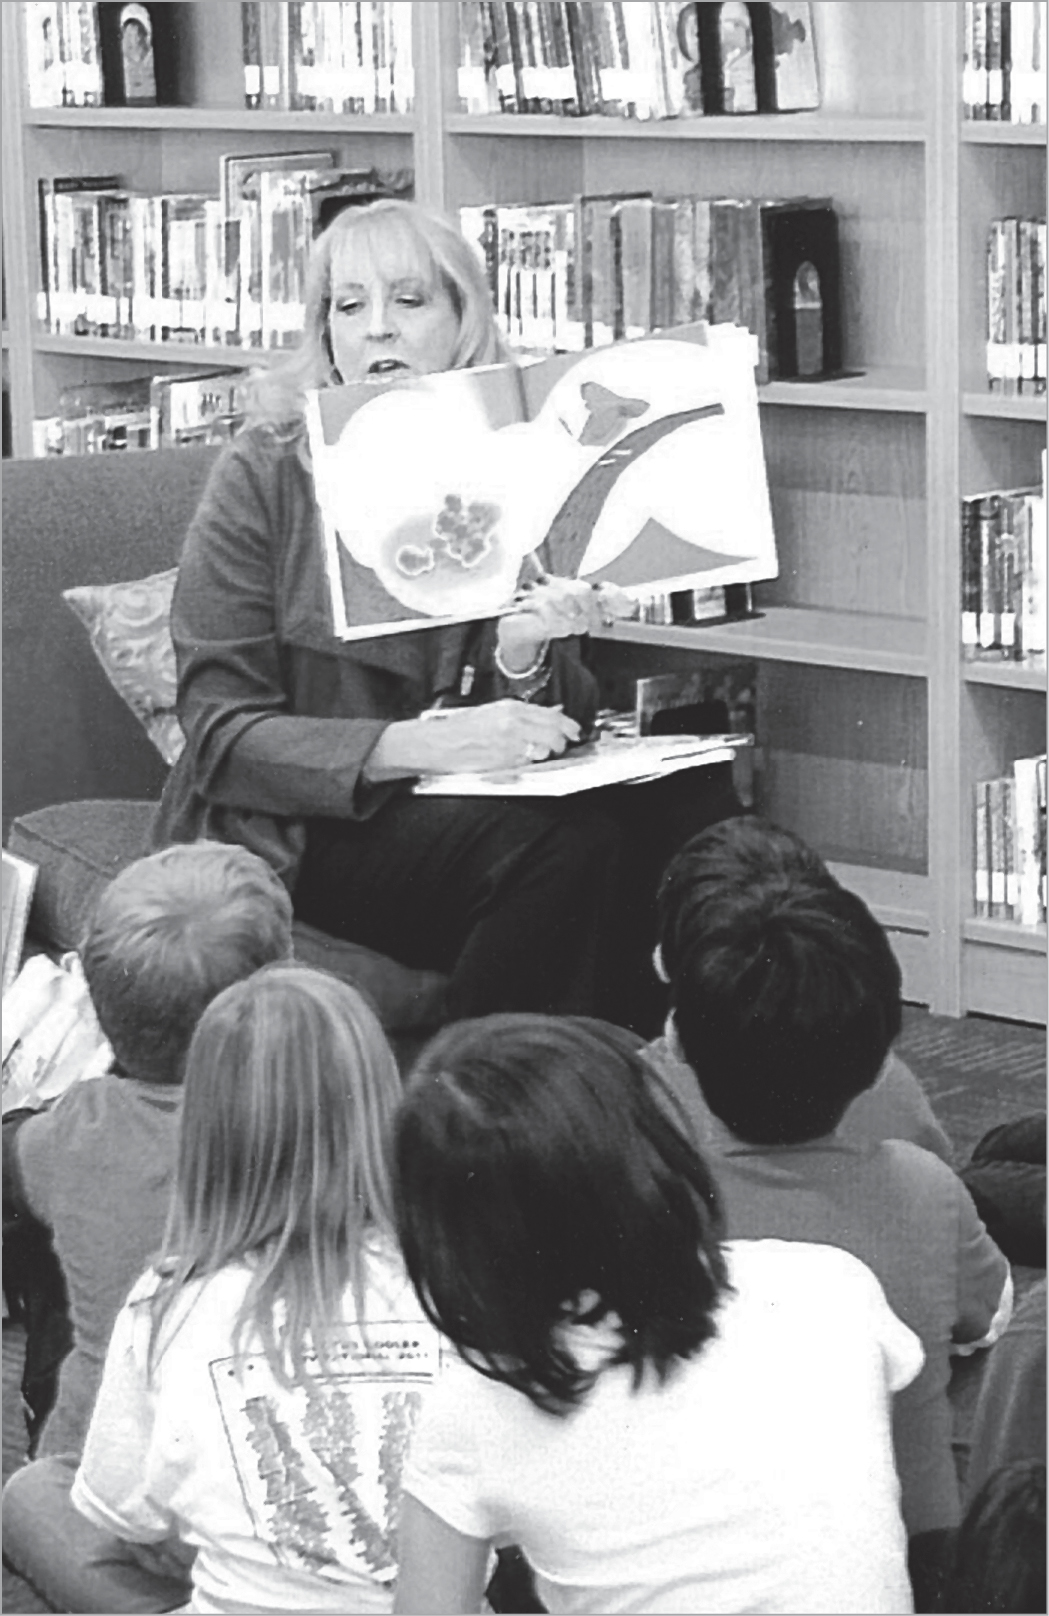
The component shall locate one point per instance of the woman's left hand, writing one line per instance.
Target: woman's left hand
(555, 609)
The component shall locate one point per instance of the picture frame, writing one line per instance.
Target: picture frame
(16, 895)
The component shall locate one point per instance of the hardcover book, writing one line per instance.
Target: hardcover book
(795, 81)
(19, 879)
(438, 494)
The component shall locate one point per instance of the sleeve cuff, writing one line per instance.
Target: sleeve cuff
(446, 1503)
(1000, 1322)
(107, 1520)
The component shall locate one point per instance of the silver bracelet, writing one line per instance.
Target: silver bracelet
(532, 672)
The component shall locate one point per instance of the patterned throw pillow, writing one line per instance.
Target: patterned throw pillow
(130, 632)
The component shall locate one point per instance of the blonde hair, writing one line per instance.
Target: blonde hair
(388, 228)
(168, 934)
(290, 1093)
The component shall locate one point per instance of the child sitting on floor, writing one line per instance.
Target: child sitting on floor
(168, 934)
(662, 1423)
(262, 1379)
(785, 998)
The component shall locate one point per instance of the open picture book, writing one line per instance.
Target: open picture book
(639, 465)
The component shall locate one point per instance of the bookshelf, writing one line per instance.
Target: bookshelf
(874, 730)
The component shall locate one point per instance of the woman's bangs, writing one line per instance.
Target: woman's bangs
(387, 246)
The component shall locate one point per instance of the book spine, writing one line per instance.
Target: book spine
(602, 272)
(1010, 874)
(703, 255)
(505, 73)
(515, 21)
(993, 58)
(251, 51)
(968, 63)
(298, 46)
(996, 849)
(1038, 297)
(1043, 891)
(1006, 112)
(685, 299)
(1009, 577)
(662, 237)
(633, 221)
(43, 61)
(1026, 318)
(273, 48)
(724, 222)
(1033, 612)
(979, 60)
(1022, 95)
(751, 272)
(114, 297)
(1027, 908)
(990, 519)
(970, 538)
(1011, 379)
(584, 61)
(996, 297)
(472, 76)
(46, 310)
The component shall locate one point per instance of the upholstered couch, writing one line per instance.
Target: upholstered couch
(80, 775)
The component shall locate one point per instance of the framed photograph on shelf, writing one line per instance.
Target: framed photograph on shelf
(19, 879)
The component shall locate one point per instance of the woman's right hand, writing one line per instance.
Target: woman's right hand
(498, 735)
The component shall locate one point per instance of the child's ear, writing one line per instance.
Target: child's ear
(658, 966)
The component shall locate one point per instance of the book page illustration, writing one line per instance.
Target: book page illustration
(642, 466)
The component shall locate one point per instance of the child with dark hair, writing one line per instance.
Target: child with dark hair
(893, 1106)
(785, 1000)
(999, 1557)
(663, 1423)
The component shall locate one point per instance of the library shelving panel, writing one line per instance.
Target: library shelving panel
(1002, 172)
(872, 728)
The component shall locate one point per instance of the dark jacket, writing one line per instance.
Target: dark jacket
(279, 715)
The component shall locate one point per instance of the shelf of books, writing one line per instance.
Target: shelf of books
(633, 150)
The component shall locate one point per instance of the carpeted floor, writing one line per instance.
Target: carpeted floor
(976, 1072)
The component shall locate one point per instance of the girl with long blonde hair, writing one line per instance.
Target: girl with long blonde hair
(263, 1378)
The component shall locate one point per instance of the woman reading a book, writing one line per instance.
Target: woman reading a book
(304, 747)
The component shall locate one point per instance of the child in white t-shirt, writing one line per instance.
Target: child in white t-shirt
(661, 1422)
(263, 1379)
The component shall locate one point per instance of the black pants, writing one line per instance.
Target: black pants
(526, 904)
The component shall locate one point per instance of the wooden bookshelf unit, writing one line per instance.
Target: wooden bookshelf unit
(873, 730)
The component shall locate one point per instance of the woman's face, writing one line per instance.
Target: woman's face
(387, 317)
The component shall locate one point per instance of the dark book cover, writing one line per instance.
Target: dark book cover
(579, 21)
(518, 53)
(140, 54)
(251, 52)
(503, 66)
(803, 282)
(795, 75)
(354, 188)
(726, 46)
(990, 516)
(970, 569)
